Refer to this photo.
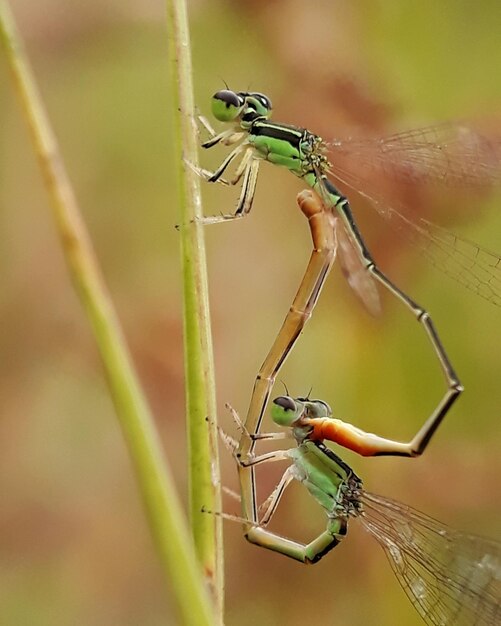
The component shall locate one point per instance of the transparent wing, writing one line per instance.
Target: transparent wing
(454, 154)
(451, 578)
(474, 267)
(356, 273)
(447, 154)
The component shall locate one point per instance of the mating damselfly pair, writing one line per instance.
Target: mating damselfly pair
(454, 154)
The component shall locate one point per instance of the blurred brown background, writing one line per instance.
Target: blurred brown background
(74, 547)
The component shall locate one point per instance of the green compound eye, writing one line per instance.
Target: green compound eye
(284, 410)
(260, 103)
(226, 105)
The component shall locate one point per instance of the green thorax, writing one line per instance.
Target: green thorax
(330, 481)
(294, 148)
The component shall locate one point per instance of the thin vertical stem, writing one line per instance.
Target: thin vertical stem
(199, 362)
(154, 478)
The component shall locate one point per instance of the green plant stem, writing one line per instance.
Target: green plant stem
(162, 505)
(199, 365)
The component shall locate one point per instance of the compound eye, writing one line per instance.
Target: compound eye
(257, 105)
(321, 408)
(285, 402)
(226, 105)
(264, 100)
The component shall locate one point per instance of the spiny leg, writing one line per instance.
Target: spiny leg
(245, 433)
(209, 176)
(208, 127)
(322, 225)
(272, 501)
(304, 552)
(246, 198)
(257, 533)
(224, 165)
(248, 168)
(226, 137)
(249, 460)
(242, 166)
(232, 445)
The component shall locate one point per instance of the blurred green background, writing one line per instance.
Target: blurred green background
(74, 547)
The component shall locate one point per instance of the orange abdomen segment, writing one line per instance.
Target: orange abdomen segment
(343, 434)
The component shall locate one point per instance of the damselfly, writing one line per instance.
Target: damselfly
(452, 578)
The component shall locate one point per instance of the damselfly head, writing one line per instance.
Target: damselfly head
(242, 106)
